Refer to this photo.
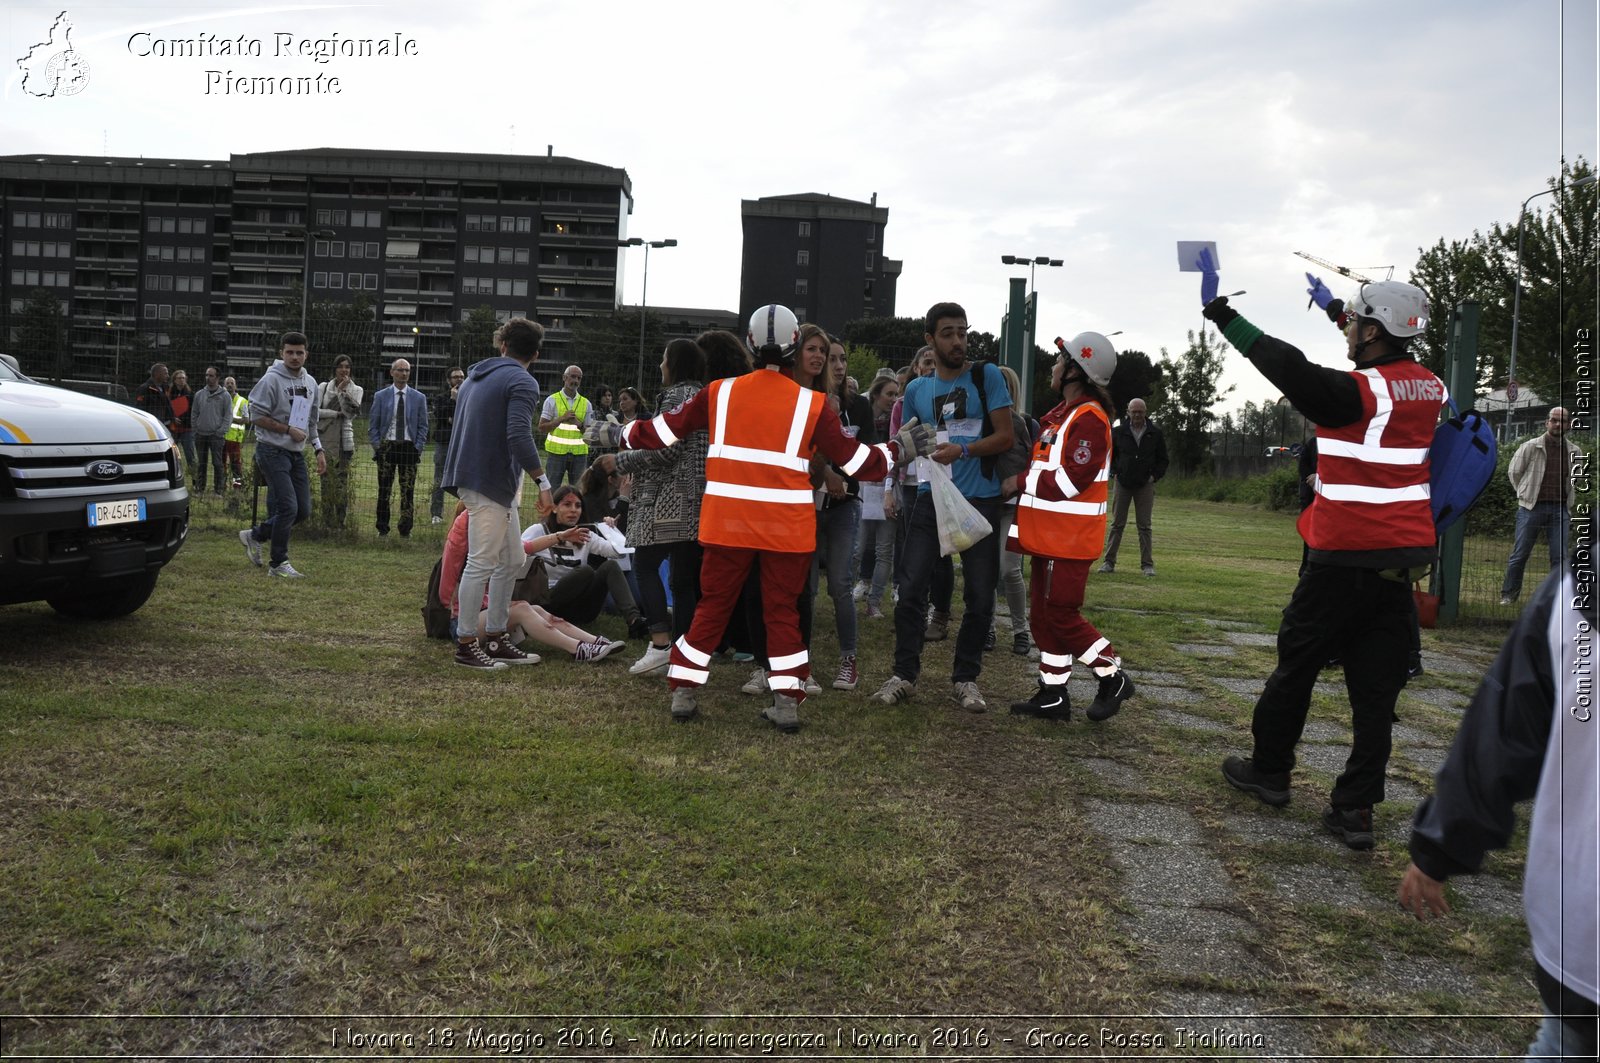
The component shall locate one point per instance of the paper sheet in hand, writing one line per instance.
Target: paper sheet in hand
(1189, 250)
(872, 501)
(300, 412)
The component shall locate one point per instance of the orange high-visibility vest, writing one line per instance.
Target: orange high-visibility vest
(758, 464)
(1054, 518)
(1372, 476)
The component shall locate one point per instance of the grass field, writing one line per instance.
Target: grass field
(277, 798)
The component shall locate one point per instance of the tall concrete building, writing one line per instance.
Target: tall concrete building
(819, 255)
(130, 246)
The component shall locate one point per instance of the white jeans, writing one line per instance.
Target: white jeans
(494, 557)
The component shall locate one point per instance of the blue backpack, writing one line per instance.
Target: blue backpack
(1462, 460)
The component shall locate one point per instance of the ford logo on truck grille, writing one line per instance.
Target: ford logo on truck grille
(103, 470)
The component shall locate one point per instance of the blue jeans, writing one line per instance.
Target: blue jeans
(288, 496)
(877, 556)
(1558, 1040)
(980, 573)
(569, 465)
(1551, 518)
(837, 528)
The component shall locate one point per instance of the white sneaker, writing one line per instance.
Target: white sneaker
(252, 549)
(895, 690)
(756, 684)
(438, 520)
(287, 571)
(859, 592)
(967, 696)
(654, 660)
(813, 688)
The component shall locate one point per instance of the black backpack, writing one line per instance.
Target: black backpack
(435, 617)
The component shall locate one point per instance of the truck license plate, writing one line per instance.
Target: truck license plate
(122, 511)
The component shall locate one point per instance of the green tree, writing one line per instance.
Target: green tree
(1558, 290)
(862, 363)
(473, 339)
(1192, 398)
(191, 345)
(41, 335)
(333, 327)
(607, 346)
(1137, 377)
(895, 340)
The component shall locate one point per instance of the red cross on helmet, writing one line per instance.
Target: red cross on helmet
(1094, 353)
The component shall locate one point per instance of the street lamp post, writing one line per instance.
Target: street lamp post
(116, 373)
(1037, 260)
(305, 274)
(1516, 299)
(644, 289)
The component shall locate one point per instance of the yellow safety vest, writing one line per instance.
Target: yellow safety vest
(235, 433)
(568, 438)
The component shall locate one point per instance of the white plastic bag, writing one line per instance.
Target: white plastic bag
(960, 525)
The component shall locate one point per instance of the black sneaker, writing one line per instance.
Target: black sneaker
(1354, 825)
(1114, 690)
(1414, 669)
(471, 655)
(501, 648)
(1021, 644)
(638, 628)
(991, 640)
(1271, 788)
(1047, 703)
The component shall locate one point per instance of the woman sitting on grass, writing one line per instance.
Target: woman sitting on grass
(526, 621)
(578, 587)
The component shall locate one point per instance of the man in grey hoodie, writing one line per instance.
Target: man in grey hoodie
(211, 414)
(491, 447)
(283, 407)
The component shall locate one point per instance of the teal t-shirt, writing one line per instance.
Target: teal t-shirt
(951, 406)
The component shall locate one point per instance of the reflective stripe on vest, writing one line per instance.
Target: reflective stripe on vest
(235, 432)
(1071, 527)
(758, 493)
(568, 438)
(1371, 489)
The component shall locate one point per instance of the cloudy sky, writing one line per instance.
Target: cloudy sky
(1092, 132)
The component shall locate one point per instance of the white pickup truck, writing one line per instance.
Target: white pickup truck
(92, 499)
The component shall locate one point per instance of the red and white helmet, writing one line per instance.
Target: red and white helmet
(1401, 308)
(774, 332)
(1094, 353)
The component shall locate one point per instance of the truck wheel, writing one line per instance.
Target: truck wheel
(104, 599)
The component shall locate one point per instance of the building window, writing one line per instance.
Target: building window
(802, 258)
(151, 253)
(354, 282)
(164, 312)
(320, 249)
(372, 281)
(800, 312)
(502, 287)
(805, 229)
(521, 256)
(367, 219)
(338, 217)
(324, 217)
(372, 249)
(168, 254)
(525, 223)
(338, 249)
(519, 288)
(151, 225)
(871, 258)
(336, 280)
(503, 256)
(25, 219)
(403, 249)
(150, 310)
(358, 249)
(802, 287)
(319, 280)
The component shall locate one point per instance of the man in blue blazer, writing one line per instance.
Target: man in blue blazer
(398, 431)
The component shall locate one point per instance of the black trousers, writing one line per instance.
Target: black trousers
(395, 457)
(1363, 619)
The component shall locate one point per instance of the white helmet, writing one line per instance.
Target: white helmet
(774, 332)
(1402, 309)
(1094, 353)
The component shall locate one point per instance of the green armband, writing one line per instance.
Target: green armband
(1241, 334)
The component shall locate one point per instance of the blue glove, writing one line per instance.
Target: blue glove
(1319, 292)
(1208, 276)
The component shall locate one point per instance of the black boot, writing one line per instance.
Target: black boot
(1114, 690)
(1047, 703)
